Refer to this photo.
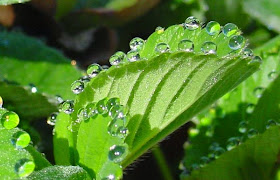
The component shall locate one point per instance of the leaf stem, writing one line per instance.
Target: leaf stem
(162, 163)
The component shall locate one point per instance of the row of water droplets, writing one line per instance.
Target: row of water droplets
(20, 140)
(116, 127)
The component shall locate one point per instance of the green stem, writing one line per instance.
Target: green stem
(162, 163)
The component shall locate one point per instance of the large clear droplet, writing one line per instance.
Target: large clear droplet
(77, 87)
(101, 107)
(112, 102)
(136, 43)
(162, 47)
(236, 42)
(232, 143)
(67, 107)
(10, 120)
(209, 48)
(91, 110)
(133, 56)
(93, 70)
(230, 29)
(21, 139)
(213, 28)
(186, 45)
(82, 115)
(258, 91)
(52, 119)
(116, 126)
(252, 133)
(24, 167)
(270, 123)
(117, 111)
(191, 23)
(117, 153)
(117, 58)
(242, 127)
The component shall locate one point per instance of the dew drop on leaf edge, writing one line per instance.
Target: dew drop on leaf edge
(21, 139)
(10, 120)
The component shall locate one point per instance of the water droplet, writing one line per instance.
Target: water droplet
(91, 110)
(118, 111)
(24, 167)
(252, 133)
(159, 30)
(112, 102)
(218, 152)
(250, 108)
(272, 75)
(105, 67)
(248, 53)
(258, 91)
(256, 60)
(204, 161)
(59, 99)
(116, 126)
(186, 45)
(101, 106)
(10, 120)
(118, 152)
(113, 172)
(21, 139)
(213, 28)
(133, 56)
(270, 123)
(1, 102)
(230, 29)
(122, 133)
(209, 48)
(136, 43)
(117, 58)
(33, 88)
(232, 143)
(192, 23)
(85, 80)
(52, 119)
(236, 42)
(82, 115)
(66, 107)
(213, 146)
(162, 47)
(77, 87)
(242, 127)
(93, 70)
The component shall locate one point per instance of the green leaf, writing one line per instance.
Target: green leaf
(163, 90)
(26, 60)
(7, 2)
(222, 123)
(12, 158)
(27, 104)
(60, 172)
(265, 11)
(249, 161)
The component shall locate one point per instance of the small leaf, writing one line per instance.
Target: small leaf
(61, 173)
(250, 160)
(26, 61)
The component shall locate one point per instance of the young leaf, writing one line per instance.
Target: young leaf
(234, 114)
(265, 11)
(29, 105)
(178, 72)
(26, 61)
(60, 172)
(16, 156)
(7, 2)
(249, 161)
